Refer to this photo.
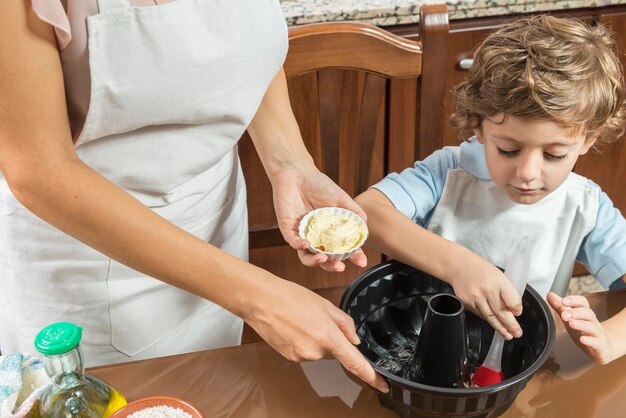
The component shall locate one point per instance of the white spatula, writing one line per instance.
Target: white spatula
(517, 270)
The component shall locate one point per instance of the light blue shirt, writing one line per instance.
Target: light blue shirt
(417, 192)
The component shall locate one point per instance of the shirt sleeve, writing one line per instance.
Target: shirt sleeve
(603, 251)
(52, 12)
(416, 190)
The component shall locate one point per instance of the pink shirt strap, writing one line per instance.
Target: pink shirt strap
(52, 12)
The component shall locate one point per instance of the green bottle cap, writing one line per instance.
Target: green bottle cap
(58, 338)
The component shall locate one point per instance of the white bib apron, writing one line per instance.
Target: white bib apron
(476, 214)
(173, 88)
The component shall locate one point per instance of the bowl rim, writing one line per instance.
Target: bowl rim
(171, 401)
(395, 265)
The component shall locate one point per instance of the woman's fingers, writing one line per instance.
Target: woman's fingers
(349, 356)
(353, 361)
(312, 260)
(348, 203)
(334, 266)
(309, 259)
(298, 243)
(346, 325)
(359, 258)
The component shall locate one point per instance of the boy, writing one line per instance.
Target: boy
(541, 92)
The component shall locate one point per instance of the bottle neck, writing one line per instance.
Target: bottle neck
(66, 369)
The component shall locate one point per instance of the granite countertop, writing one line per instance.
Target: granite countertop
(396, 12)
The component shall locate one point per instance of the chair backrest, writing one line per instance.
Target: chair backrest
(351, 46)
(370, 49)
(368, 102)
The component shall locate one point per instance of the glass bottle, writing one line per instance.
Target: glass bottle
(73, 393)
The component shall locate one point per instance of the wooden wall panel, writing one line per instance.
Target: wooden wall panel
(401, 145)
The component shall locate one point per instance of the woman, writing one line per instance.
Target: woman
(146, 174)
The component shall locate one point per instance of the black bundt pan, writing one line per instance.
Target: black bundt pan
(388, 303)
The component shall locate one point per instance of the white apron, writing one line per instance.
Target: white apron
(173, 87)
(476, 214)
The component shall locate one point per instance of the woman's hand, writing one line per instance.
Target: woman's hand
(300, 190)
(584, 328)
(298, 186)
(303, 326)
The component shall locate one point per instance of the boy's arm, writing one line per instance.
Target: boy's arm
(602, 341)
(481, 286)
(603, 251)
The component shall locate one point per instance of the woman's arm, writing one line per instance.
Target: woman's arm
(44, 173)
(298, 185)
(481, 286)
(38, 160)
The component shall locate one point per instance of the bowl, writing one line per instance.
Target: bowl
(388, 304)
(340, 212)
(150, 402)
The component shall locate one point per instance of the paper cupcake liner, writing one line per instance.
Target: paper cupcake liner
(304, 223)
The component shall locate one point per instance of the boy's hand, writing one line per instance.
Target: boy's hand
(486, 291)
(583, 326)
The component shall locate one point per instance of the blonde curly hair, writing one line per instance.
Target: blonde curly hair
(543, 67)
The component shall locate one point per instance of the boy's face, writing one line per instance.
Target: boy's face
(529, 159)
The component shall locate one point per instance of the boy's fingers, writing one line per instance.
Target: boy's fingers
(584, 314)
(511, 324)
(575, 301)
(492, 318)
(584, 327)
(512, 300)
(591, 342)
(500, 306)
(555, 301)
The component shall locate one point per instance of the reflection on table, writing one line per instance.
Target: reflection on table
(254, 381)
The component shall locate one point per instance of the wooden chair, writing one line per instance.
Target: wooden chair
(369, 49)
(368, 103)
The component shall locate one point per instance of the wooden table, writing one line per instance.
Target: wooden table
(253, 380)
